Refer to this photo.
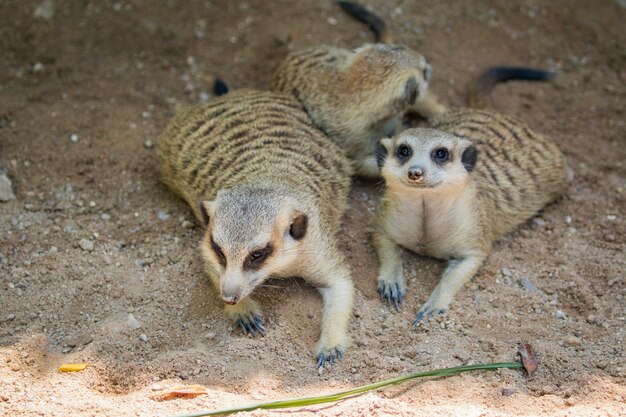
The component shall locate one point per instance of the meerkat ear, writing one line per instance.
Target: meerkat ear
(206, 209)
(299, 224)
(411, 90)
(468, 158)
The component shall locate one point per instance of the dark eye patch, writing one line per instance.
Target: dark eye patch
(440, 155)
(403, 153)
(218, 251)
(256, 258)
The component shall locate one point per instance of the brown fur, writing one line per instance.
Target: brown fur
(265, 175)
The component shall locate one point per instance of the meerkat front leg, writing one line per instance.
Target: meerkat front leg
(368, 168)
(338, 296)
(391, 284)
(428, 106)
(457, 273)
(246, 313)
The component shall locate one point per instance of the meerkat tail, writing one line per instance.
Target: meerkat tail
(220, 87)
(478, 96)
(374, 22)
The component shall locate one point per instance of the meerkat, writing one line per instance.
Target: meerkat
(454, 189)
(358, 96)
(270, 190)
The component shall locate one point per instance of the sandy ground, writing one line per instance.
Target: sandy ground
(93, 238)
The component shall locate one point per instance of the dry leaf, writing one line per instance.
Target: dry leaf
(184, 391)
(72, 367)
(529, 358)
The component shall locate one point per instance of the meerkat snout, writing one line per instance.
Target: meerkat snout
(415, 173)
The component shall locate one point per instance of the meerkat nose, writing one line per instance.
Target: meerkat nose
(230, 299)
(415, 173)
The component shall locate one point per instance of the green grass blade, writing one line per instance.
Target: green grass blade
(299, 402)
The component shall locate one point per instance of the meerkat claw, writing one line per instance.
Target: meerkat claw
(252, 326)
(426, 313)
(335, 355)
(392, 293)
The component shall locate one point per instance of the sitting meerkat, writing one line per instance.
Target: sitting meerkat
(358, 96)
(270, 190)
(452, 190)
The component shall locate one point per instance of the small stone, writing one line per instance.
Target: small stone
(92, 204)
(148, 144)
(105, 216)
(66, 349)
(86, 245)
(560, 315)
(187, 224)
(568, 219)
(10, 317)
(38, 67)
(591, 319)
(332, 21)
(570, 401)
(6, 188)
(572, 341)
(162, 215)
(611, 217)
(143, 337)
(45, 10)
(203, 97)
(53, 249)
(527, 284)
(609, 237)
(210, 335)
(132, 322)
(506, 272)
(15, 366)
(507, 392)
(74, 138)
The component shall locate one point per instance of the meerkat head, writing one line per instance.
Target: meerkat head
(426, 158)
(398, 74)
(251, 234)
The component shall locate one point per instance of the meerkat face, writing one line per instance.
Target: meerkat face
(425, 158)
(250, 235)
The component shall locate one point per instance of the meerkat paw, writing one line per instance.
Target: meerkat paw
(434, 305)
(329, 355)
(247, 315)
(392, 291)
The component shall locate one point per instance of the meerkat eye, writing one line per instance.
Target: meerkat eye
(404, 152)
(441, 155)
(256, 258)
(218, 251)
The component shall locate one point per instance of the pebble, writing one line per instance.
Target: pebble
(38, 67)
(560, 315)
(15, 366)
(187, 224)
(86, 245)
(6, 188)
(609, 238)
(53, 249)
(74, 138)
(162, 215)
(210, 335)
(105, 216)
(132, 322)
(572, 341)
(148, 144)
(611, 217)
(591, 319)
(506, 272)
(507, 392)
(527, 284)
(143, 337)
(45, 10)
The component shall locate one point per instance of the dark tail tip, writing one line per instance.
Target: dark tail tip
(480, 91)
(220, 88)
(374, 22)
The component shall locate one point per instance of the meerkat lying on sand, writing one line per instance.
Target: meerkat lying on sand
(270, 189)
(456, 188)
(358, 96)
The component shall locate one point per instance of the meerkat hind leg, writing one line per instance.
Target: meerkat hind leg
(391, 283)
(457, 273)
(338, 299)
